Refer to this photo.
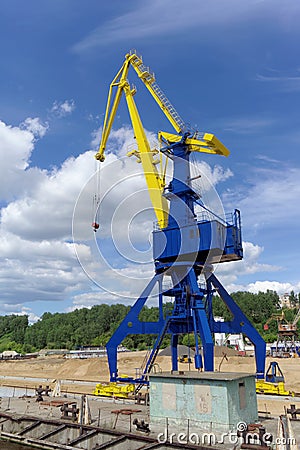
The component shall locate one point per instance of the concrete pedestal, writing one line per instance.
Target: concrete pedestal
(210, 400)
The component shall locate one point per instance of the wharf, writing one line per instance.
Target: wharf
(40, 425)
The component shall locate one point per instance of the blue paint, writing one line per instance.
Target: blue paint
(184, 250)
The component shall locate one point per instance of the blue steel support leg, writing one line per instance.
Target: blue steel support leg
(201, 325)
(198, 357)
(160, 300)
(206, 338)
(174, 344)
(131, 325)
(240, 324)
(209, 306)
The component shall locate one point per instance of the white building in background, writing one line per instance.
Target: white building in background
(284, 300)
(237, 341)
(9, 354)
(220, 338)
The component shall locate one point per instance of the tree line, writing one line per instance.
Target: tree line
(96, 325)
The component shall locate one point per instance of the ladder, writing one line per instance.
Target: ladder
(147, 364)
(148, 78)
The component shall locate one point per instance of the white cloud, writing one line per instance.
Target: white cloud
(248, 125)
(37, 271)
(24, 311)
(120, 140)
(287, 83)
(16, 146)
(169, 17)
(89, 299)
(232, 273)
(249, 265)
(280, 288)
(47, 212)
(35, 126)
(62, 109)
(19, 310)
(270, 199)
(210, 175)
(38, 261)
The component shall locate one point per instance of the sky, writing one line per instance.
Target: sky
(230, 67)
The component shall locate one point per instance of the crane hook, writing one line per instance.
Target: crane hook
(95, 226)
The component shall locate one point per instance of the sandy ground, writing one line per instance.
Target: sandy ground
(95, 370)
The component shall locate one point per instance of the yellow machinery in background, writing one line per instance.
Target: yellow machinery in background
(118, 390)
(184, 359)
(273, 384)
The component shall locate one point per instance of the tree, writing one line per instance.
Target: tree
(294, 300)
(96, 325)
(189, 340)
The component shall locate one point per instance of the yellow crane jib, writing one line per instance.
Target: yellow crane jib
(154, 179)
(161, 99)
(154, 168)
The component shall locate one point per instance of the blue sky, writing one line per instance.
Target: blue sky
(229, 67)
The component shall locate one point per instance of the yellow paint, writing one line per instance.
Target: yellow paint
(155, 177)
(114, 390)
(209, 143)
(265, 387)
(148, 78)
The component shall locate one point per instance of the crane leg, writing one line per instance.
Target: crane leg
(132, 325)
(239, 324)
(174, 344)
(201, 325)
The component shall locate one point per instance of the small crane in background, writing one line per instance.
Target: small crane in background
(287, 333)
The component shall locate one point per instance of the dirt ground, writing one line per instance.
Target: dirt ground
(95, 370)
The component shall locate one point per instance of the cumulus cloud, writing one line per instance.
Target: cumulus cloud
(20, 310)
(35, 126)
(231, 274)
(62, 109)
(37, 271)
(38, 258)
(16, 146)
(249, 265)
(270, 197)
(47, 212)
(280, 288)
(210, 175)
(38, 261)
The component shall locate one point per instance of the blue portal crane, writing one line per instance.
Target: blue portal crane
(185, 248)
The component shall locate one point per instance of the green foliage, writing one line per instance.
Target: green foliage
(95, 326)
(80, 327)
(189, 340)
(149, 314)
(294, 299)
(14, 326)
(269, 337)
(258, 308)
